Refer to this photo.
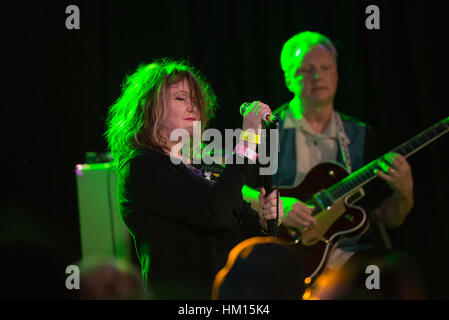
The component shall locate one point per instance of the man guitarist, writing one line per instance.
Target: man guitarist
(312, 132)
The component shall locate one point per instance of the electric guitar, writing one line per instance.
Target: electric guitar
(334, 192)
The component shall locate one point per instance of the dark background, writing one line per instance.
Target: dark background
(58, 84)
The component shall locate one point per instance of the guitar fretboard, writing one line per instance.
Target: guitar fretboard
(365, 174)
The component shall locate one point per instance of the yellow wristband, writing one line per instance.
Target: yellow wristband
(250, 137)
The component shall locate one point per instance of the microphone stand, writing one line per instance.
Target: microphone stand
(272, 223)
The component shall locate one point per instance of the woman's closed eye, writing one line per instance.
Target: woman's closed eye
(180, 99)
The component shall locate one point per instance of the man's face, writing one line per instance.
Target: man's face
(315, 80)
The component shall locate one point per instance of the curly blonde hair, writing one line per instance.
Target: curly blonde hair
(136, 119)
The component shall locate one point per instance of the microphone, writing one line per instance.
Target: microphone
(266, 117)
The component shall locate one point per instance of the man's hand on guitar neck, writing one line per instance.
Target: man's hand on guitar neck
(398, 174)
(297, 215)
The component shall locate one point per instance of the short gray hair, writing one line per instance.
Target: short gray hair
(297, 47)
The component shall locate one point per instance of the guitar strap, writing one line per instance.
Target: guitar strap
(343, 141)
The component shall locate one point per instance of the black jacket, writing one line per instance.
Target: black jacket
(183, 225)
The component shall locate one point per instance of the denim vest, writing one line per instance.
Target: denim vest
(355, 131)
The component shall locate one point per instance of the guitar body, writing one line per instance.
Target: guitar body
(336, 223)
(332, 191)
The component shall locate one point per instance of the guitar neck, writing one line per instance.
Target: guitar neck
(367, 173)
(423, 139)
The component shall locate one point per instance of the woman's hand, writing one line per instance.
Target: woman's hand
(252, 118)
(268, 208)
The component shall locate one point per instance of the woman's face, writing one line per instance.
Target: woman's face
(181, 113)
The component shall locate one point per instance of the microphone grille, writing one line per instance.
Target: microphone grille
(243, 107)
